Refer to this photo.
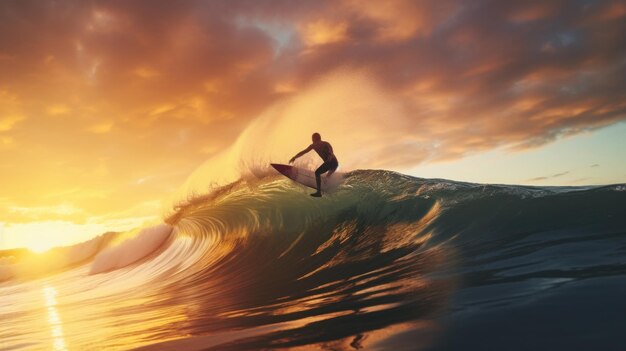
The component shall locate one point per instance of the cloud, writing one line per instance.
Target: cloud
(217, 61)
(560, 174)
(536, 179)
(35, 213)
(57, 109)
(156, 85)
(101, 128)
(7, 122)
(556, 175)
(6, 141)
(322, 32)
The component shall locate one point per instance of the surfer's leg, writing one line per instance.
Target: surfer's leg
(318, 179)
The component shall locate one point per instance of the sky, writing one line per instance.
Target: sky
(109, 107)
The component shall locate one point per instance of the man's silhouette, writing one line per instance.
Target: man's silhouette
(325, 151)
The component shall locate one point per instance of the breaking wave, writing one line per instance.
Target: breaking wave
(260, 264)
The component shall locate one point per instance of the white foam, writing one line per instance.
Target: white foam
(132, 250)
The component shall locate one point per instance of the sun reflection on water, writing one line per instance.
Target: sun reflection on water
(54, 319)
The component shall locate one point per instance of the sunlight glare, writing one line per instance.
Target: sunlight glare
(54, 319)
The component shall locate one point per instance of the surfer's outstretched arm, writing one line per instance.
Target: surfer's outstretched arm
(301, 153)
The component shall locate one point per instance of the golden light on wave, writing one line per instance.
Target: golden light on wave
(42, 236)
(58, 341)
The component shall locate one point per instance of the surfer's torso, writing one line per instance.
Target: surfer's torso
(324, 150)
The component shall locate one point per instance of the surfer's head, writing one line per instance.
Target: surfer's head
(316, 137)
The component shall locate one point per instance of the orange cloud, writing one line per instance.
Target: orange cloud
(7, 122)
(100, 128)
(105, 93)
(57, 109)
(321, 32)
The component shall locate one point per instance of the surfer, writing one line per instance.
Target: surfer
(325, 151)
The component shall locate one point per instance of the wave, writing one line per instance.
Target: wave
(270, 204)
(22, 263)
(131, 250)
(382, 250)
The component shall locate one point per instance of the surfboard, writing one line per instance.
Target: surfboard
(307, 177)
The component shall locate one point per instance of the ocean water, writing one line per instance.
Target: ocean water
(385, 262)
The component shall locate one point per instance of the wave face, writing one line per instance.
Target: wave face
(387, 261)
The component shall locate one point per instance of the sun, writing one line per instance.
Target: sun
(40, 246)
(39, 237)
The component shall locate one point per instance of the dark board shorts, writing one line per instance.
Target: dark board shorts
(327, 166)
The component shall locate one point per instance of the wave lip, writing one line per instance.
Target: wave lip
(132, 250)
